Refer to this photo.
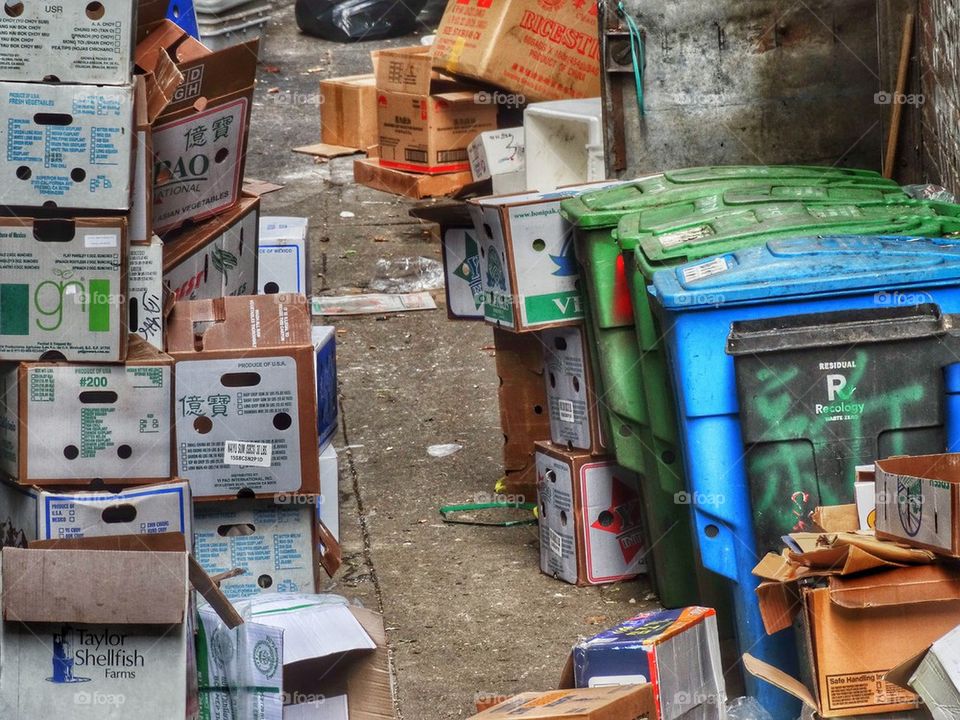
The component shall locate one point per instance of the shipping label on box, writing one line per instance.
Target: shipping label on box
(63, 289)
(145, 292)
(217, 258)
(917, 501)
(148, 510)
(530, 273)
(76, 423)
(284, 256)
(78, 43)
(239, 670)
(464, 276)
(274, 544)
(573, 405)
(67, 146)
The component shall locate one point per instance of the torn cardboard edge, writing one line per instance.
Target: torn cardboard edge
(326, 151)
(369, 172)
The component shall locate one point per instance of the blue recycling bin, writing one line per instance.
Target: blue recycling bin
(696, 304)
(182, 14)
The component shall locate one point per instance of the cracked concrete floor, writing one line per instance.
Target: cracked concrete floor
(466, 608)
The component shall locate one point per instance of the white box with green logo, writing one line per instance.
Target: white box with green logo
(71, 424)
(531, 280)
(62, 289)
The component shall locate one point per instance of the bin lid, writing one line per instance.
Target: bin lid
(677, 243)
(806, 267)
(840, 328)
(603, 208)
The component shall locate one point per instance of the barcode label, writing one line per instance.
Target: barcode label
(254, 454)
(449, 156)
(565, 410)
(705, 270)
(411, 155)
(556, 543)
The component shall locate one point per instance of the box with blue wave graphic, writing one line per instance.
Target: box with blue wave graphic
(677, 651)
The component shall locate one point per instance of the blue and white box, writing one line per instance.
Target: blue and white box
(284, 256)
(325, 343)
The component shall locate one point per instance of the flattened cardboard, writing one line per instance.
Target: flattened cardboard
(918, 501)
(246, 398)
(68, 146)
(215, 258)
(284, 256)
(522, 396)
(571, 393)
(348, 111)
(590, 518)
(536, 50)
(416, 186)
(530, 277)
(145, 292)
(633, 702)
(425, 122)
(69, 43)
(63, 296)
(73, 424)
(836, 518)
(200, 138)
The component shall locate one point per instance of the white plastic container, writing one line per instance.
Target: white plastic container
(564, 140)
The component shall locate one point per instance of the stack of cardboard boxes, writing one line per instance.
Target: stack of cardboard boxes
(153, 407)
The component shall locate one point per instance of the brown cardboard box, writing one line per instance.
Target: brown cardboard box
(591, 526)
(200, 138)
(859, 627)
(523, 397)
(541, 49)
(425, 122)
(348, 111)
(246, 396)
(623, 702)
(417, 186)
(918, 501)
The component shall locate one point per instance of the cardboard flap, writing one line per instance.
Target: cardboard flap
(160, 542)
(903, 586)
(779, 679)
(779, 605)
(446, 213)
(94, 586)
(173, 40)
(567, 676)
(901, 674)
(405, 70)
(211, 592)
(368, 681)
(837, 518)
(331, 556)
(161, 84)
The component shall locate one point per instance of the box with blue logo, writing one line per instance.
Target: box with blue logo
(530, 273)
(677, 651)
(284, 256)
(325, 344)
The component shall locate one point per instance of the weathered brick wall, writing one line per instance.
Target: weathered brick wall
(939, 54)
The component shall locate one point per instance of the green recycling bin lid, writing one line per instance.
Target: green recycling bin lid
(669, 244)
(604, 207)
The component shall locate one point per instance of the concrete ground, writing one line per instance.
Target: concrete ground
(466, 608)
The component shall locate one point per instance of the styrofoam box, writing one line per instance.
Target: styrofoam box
(67, 146)
(68, 42)
(564, 143)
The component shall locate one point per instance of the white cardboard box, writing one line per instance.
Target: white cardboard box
(499, 155)
(72, 424)
(274, 542)
(63, 292)
(284, 251)
(530, 272)
(330, 490)
(571, 396)
(67, 146)
(216, 258)
(145, 292)
(69, 42)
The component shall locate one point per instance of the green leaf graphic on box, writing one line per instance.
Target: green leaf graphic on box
(469, 269)
(223, 261)
(495, 275)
